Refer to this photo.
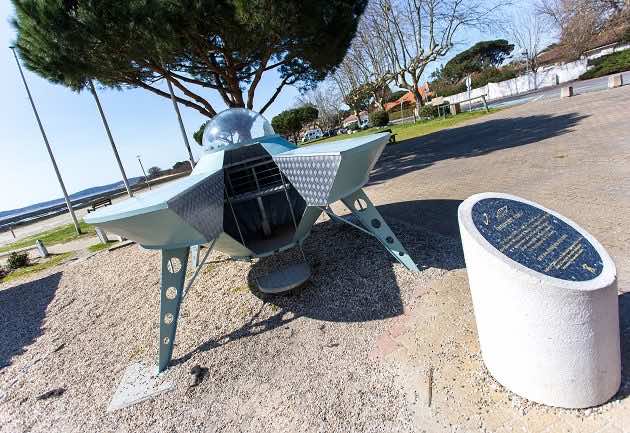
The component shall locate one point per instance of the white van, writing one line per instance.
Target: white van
(312, 134)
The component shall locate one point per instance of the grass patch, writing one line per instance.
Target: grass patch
(100, 246)
(609, 64)
(413, 130)
(23, 272)
(54, 236)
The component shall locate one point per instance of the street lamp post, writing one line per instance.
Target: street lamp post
(469, 88)
(111, 139)
(146, 178)
(52, 157)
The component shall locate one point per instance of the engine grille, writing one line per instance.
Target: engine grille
(252, 178)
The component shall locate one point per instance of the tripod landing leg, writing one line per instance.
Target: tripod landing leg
(174, 263)
(361, 206)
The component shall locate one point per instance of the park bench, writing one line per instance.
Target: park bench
(99, 202)
(392, 136)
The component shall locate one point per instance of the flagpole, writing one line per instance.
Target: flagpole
(52, 157)
(111, 139)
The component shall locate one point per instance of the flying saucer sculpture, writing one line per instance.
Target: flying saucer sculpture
(252, 194)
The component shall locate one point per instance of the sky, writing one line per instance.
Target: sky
(141, 123)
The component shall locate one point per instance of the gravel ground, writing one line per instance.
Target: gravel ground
(353, 349)
(291, 363)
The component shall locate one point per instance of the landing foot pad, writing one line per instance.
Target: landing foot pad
(139, 383)
(285, 279)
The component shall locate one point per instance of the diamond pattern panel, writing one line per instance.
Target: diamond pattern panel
(202, 205)
(312, 176)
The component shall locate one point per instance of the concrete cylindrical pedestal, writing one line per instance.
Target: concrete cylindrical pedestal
(615, 81)
(455, 108)
(566, 92)
(41, 249)
(102, 235)
(545, 300)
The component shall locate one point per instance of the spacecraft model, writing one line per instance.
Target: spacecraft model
(252, 194)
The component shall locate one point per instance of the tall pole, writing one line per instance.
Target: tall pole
(52, 157)
(468, 88)
(527, 68)
(181, 123)
(111, 139)
(146, 179)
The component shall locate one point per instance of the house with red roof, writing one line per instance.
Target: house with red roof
(408, 99)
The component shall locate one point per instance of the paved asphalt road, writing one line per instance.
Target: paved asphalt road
(579, 87)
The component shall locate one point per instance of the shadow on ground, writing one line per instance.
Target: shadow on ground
(470, 140)
(438, 216)
(624, 329)
(22, 313)
(353, 277)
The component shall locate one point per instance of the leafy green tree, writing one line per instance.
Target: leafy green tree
(198, 135)
(291, 122)
(154, 172)
(181, 166)
(221, 45)
(482, 55)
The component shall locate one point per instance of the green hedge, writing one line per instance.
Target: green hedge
(489, 75)
(609, 64)
(429, 111)
(17, 260)
(379, 118)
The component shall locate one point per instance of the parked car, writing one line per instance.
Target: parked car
(364, 123)
(312, 134)
(341, 131)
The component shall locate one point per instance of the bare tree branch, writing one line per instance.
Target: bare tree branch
(284, 81)
(206, 112)
(527, 31)
(416, 33)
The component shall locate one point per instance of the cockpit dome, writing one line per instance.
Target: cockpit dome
(234, 128)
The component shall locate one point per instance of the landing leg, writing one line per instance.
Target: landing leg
(361, 206)
(174, 263)
(194, 253)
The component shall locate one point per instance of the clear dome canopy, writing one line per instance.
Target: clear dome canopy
(234, 128)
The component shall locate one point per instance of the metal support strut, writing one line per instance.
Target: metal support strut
(174, 263)
(361, 206)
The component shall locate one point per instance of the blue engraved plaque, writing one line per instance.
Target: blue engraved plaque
(536, 239)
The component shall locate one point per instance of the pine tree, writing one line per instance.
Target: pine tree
(221, 45)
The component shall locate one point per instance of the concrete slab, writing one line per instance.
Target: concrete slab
(139, 383)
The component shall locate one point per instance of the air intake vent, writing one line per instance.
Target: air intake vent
(252, 178)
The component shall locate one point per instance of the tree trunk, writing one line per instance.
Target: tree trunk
(378, 100)
(417, 96)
